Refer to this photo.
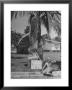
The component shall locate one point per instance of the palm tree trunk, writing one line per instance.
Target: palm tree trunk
(40, 51)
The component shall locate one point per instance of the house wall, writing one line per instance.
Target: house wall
(51, 46)
(52, 56)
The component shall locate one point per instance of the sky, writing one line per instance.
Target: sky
(19, 24)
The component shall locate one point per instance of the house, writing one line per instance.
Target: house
(52, 45)
(52, 50)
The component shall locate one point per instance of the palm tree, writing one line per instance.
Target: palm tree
(35, 20)
(35, 23)
(35, 33)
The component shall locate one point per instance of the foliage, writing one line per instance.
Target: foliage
(27, 30)
(15, 37)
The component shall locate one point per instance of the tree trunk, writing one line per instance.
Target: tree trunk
(40, 51)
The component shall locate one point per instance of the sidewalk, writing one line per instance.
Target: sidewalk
(30, 75)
